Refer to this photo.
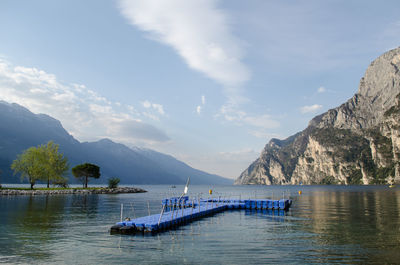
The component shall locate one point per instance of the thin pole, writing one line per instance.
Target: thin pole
(161, 214)
(122, 210)
(199, 204)
(172, 215)
(148, 207)
(177, 208)
(191, 212)
(182, 210)
(133, 210)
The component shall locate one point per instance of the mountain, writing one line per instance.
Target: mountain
(355, 143)
(21, 129)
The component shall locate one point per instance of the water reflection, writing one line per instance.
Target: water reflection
(84, 205)
(346, 221)
(273, 215)
(31, 224)
(325, 225)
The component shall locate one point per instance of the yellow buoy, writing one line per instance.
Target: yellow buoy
(210, 191)
(300, 192)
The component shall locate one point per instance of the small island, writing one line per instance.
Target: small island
(46, 164)
(57, 191)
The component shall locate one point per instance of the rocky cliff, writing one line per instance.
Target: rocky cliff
(355, 143)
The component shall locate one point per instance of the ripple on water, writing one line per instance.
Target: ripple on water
(325, 225)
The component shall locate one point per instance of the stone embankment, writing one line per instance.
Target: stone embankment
(6, 191)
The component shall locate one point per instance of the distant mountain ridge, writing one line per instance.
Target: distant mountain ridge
(355, 143)
(21, 129)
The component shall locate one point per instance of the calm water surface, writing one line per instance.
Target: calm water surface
(326, 224)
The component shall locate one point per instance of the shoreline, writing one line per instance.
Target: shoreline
(105, 190)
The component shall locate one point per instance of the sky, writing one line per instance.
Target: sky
(209, 82)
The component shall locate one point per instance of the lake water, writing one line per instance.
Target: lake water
(326, 224)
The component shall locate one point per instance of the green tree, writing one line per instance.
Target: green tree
(56, 165)
(41, 163)
(30, 165)
(86, 171)
(113, 183)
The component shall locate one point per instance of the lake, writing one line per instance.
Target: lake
(326, 224)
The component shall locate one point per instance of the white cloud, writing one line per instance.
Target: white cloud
(126, 130)
(201, 34)
(199, 108)
(157, 109)
(321, 89)
(231, 113)
(146, 104)
(197, 30)
(84, 113)
(310, 109)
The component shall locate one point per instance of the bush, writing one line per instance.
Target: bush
(61, 182)
(113, 183)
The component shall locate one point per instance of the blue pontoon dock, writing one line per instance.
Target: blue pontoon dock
(180, 211)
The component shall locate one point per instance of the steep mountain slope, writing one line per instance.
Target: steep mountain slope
(171, 164)
(355, 143)
(21, 129)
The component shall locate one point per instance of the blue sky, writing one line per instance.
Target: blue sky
(209, 82)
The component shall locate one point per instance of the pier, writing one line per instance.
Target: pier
(180, 211)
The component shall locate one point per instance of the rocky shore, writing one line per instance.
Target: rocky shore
(10, 191)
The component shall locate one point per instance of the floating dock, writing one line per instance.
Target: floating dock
(180, 211)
